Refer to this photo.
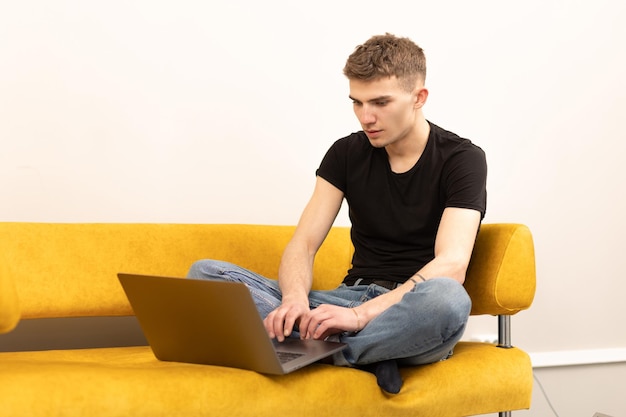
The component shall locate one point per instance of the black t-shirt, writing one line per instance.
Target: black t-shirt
(395, 216)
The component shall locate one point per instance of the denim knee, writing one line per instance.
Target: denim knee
(448, 298)
(205, 268)
(453, 299)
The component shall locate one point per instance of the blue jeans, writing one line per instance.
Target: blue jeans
(422, 328)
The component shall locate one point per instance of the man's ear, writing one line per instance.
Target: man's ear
(421, 95)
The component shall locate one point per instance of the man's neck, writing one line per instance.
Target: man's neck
(404, 155)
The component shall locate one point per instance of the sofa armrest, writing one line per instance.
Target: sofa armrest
(501, 276)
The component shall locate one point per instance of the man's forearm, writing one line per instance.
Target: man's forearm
(295, 274)
(439, 267)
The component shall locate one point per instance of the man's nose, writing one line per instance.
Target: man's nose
(366, 116)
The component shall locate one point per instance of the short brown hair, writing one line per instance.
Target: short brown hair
(387, 56)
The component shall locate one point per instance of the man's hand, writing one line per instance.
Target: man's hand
(279, 323)
(328, 319)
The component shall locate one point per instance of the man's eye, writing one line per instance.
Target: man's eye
(381, 103)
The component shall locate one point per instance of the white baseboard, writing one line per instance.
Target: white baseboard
(577, 357)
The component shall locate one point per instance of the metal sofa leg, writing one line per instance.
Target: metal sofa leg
(504, 332)
(504, 341)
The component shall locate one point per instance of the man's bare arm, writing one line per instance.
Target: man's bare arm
(295, 274)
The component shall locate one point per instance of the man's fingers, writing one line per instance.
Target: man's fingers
(305, 324)
(288, 324)
(280, 322)
(279, 327)
(326, 320)
(274, 325)
(268, 322)
(316, 323)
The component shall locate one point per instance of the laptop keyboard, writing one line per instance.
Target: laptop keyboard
(284, 357)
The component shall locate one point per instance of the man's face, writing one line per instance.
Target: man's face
(387, 112)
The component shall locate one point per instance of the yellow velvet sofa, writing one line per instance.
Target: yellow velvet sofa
(50, 270)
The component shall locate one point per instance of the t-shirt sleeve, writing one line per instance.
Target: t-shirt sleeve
(465, 179)
(333, 166)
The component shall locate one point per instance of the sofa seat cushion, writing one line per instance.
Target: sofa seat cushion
(130, 381)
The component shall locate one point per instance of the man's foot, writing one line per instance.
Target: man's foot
(387, 375)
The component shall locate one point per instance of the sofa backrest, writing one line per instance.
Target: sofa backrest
(9, 303)
(69, 270)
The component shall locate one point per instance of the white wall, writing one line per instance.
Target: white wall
(577, 391)
(188, 111)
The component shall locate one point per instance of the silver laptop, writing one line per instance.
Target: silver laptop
(213, 323)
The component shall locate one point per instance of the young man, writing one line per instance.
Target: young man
(416, 196)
